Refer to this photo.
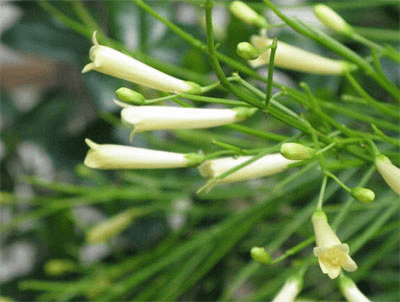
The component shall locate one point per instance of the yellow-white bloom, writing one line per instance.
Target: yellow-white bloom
(290, 290)
(247, 14)
(267, 165)
(333, 255)
(125, 157)
(114, 63)
(332, 20)
(145, 118)
(294, 58)
(350, 290)
(389, 172)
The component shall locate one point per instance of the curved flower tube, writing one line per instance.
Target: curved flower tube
(333, 255)
(114, 63)
(125, 157)
(267, 165)
(145, 118)
(294, 58)
(350, 290)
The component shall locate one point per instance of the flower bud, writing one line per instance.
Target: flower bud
(124, 157)
(294, 58)
(145, 118)
(112, 227)
(332, 20)
(296, 151)
(260, 255)
(130, 96)
(362, 194)
(264, 166)
(57, 267)
(350, 290)
(389, 172)
(247, 14)
(247, 51)
(114, 63)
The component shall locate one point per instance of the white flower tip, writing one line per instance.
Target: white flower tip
(90, 160)
(91, 144)
(332, 19)
(88, 67)
(94, 39)
(121, 104)
(206, 170)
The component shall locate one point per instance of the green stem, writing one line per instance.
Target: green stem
(322, 192)
(270, 71)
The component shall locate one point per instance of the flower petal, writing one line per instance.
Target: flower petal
(349, 264)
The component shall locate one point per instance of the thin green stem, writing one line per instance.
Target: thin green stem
(322, 193)
(271, 71)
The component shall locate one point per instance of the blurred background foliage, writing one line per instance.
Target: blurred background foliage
(190, 247)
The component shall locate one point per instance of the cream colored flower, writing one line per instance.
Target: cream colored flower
(145, 118)
(294, 58)
(267, 165)
(114, 63)
(333, 255)
(332, 20)
(245, 13)
(389, 172)
(350, 290)
(124, 157)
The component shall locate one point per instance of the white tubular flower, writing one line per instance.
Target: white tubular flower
(332, 20)
(247, 14)
(267, 165)
(145, 118)
(124, 157)
(294, 58)
(350, 290)
(389, 172)
(333, 255)
(114, 63)
(290, 290)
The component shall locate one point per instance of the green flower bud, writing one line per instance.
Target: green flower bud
(247, 51)
(130, 96)
(296, 151)
(244, 112)
(362, 194)
(57, 267)
(112, 227)
(260, 255)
